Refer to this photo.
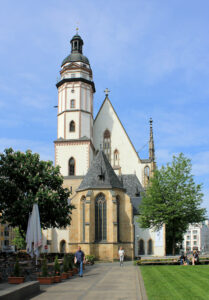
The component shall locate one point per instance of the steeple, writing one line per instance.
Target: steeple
(151, 143)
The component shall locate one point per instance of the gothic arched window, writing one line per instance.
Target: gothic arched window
(83, 206)
(72, 126)
(116, 158)
(149, 251)
(146, 172)
(118, 218)
(141, 247)
(71, 166)
(107, 144)
(100, 218)
(72, 103)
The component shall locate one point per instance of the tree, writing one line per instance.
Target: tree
(19, 240)
(172, 198)
(25, 179)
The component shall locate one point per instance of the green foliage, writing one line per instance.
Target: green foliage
(19, 240)
(172, 198)
(17, 269)
(24, 179)
(44, 268)
(65, 264)
(56, 266)
(90, 258)
(70, 258)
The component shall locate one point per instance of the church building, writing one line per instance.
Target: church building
(101, 168)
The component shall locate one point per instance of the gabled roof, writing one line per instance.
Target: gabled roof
(100, 175)
(107, 99)
(131, 184)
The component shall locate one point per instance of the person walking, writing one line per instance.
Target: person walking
(121, 254)
(80, 259)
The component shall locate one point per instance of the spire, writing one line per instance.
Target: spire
(151, 143)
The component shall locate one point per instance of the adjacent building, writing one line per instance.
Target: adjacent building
(197, 237)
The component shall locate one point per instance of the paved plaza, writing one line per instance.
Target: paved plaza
(103, 281)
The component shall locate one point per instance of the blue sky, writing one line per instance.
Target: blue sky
(152, 54)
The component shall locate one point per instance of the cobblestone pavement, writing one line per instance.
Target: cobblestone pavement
(103, 281)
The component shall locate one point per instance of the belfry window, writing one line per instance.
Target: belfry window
(116, 158)
(72, 126)
(71, 166)
(100, 218)
(107, 144)
(72, 103)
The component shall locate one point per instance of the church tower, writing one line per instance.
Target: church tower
(73, 147)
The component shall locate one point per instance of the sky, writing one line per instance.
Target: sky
(151, 54)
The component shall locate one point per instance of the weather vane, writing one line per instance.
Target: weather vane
(77, 28)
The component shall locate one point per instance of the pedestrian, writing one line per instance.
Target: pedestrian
(195, 258)
(80, 259)
(121, 254)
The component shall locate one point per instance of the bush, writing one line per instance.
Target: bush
(90, 259)
(44, 268)
(56, 266)
(65, 264)
(17, 269)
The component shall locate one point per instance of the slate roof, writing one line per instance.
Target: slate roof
(133, 189)
(100, 175)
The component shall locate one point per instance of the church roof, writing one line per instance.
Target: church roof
(100, 175)
(73, 57)
(134, 189)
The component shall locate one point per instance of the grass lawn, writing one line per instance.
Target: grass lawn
(176, 282)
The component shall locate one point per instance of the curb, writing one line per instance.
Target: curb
(141, 285)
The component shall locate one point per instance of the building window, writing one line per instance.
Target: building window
(100, 218)
(194, 231)
(63, 246)
(188, 243)
(141, 247)
(106, 144)
(149, 251)
(188, 237)
(83, 206)
(6, 242)
(195, 243)
(118, 218)
(71, 166)
(72, 126)
(194, 237)
(146, 172)
(6, 233)
(116, 158)
(72, 103)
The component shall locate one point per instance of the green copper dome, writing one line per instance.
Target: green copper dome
(76, 51)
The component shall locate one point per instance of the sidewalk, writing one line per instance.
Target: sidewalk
(103, 281)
